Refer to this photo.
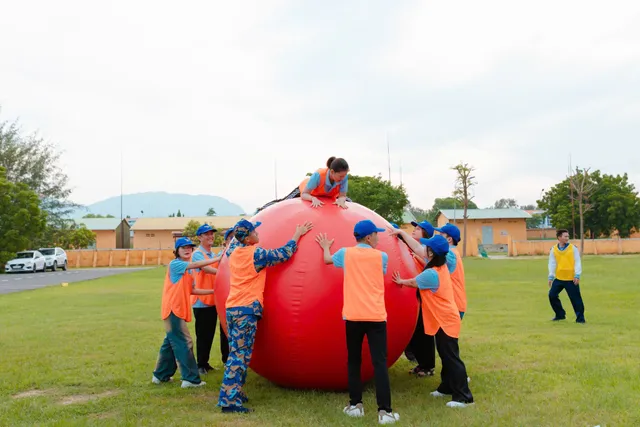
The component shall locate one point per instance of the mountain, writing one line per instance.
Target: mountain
(161, 204)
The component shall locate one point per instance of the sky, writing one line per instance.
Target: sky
(222, 98)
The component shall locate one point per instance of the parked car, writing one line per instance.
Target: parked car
(27, 261)
(55, 258)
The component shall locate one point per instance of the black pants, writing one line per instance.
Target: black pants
(454, 373)
(206, 321)
(423, 346)
(376, 333)
(573, 291)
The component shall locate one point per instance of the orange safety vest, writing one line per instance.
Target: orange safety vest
(204, 280)
(246, 284)
(175, 296)
(363, 285)
(457, 277)
(439, 308)
(320, 190)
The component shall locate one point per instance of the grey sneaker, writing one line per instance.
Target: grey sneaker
(385, 417)
(354, 410)
(187, 384)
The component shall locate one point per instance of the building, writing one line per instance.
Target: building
(160, 233)
(111, 233)
(488, 226)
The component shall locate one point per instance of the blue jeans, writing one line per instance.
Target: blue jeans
(573, 291)
(178, 346)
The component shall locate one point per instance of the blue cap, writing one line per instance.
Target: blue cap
(184, 241)
(243, 228)
(394, 225)
(365, 227)
(425, 225)
(451, 231)
(205, 228)
(226, 233)
(437, 243)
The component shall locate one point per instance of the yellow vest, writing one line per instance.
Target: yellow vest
(565, 263)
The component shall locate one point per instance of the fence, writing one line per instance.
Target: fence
(120, 257)
(591, 247)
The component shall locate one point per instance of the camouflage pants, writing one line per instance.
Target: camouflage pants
(241, 331)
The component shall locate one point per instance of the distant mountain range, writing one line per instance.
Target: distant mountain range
(161, 204)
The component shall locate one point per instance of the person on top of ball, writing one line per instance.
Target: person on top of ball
(364, 313)
(179, 285)
(244, 307)
(441, 318)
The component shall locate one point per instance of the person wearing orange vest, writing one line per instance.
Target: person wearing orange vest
(176, 313)
(421, 346)
(204, 306)
(244, 306)
(454, 261)
(364, 313)
(565, 269)
(441, 318)
(331, 182)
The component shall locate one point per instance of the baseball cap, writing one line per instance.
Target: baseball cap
(451, 231)
(226, 233)
(394, 225)
(243, 228)
(437, 243)
(425, 225)
(205, 228)
(184, 241)
(365, 227)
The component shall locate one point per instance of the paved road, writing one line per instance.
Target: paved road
(22, 282)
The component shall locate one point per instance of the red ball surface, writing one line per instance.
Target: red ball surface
(301, 340)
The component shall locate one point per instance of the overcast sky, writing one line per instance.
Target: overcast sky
(204, 96)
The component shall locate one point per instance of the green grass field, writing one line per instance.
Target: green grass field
(83, 355)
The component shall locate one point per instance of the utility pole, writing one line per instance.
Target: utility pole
(389, 157)
(573, 209)
(121, 198)
(275, 177)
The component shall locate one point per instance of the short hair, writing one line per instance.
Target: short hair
(561, 232)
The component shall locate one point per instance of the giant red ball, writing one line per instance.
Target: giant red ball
(301, 340)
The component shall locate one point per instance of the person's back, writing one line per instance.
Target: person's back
(364, 284)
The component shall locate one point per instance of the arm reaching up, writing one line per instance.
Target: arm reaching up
(414, 245)
(325, 244)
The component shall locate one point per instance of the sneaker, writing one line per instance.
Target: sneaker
(158, 381)
(468, 380)
(187, 384)
(202, 371)
(236, 410)
(437, 394)
(354, 410)
(555, 319)
(385, 417)
(454, 404)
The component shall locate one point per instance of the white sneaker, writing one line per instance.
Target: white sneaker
(354, 411)
(187, 384)
(454, 404)
(385, 417)
(157, 381)
(437, 394)
(468, 380)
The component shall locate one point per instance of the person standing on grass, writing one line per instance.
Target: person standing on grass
(244, 307)
(421, 346)
(454, 262)
(565, 269)
(176, 312)
(204, 306)
(442, 319)
(364, 313)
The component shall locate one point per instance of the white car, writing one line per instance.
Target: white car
(27, 261)
(55, 258)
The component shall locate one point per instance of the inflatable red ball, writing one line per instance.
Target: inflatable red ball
(301, 339)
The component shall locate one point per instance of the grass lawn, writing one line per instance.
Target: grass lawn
(83, 355)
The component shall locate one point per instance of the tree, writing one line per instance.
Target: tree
(97, 216)
(464, 182)
(211, 212)
(190, 231)
(505, 204)
(446, 203)
(79, 237)
(583, 187)
(528, 207)
(176, 215)
(21, 218)
(535, 221)
(419, 213)
(387, 200)
(32, 161)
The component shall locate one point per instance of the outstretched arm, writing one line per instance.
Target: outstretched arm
(312, 184)
(263, 258)
(325, 244)
(413, 244)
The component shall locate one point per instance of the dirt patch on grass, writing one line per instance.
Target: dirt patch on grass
(83, 398)
(31, 393)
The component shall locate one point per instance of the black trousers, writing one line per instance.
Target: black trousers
(454, 373)
(376, 333)
(573, 291)
(423, 346)
(206, 321)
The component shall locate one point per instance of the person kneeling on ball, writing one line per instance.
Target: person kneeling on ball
(244, 306)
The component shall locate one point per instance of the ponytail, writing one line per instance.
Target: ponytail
(337, 164)
(331, 159)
